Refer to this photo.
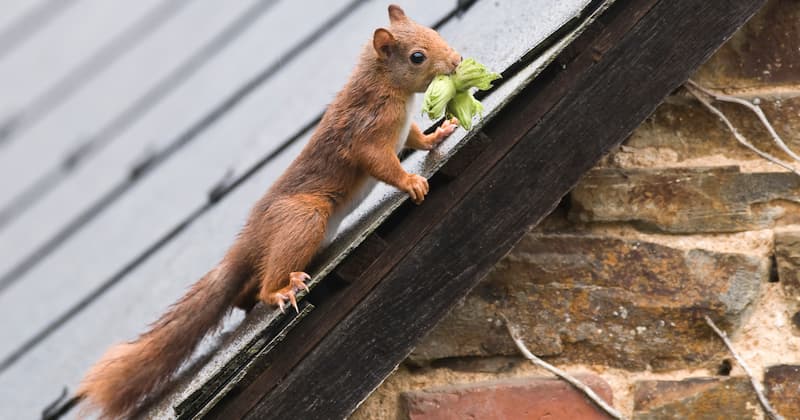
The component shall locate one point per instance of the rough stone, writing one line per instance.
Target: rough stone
(688, 200)
(695, 398)
(782, 384)
(787, 257)
(499, 364)
(763, 53)
(681, 129)
(583, 298)
(521, 398)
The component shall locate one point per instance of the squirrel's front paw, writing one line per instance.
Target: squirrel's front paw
(442, 132)
(417, 187)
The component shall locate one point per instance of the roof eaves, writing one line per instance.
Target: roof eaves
(209, 379)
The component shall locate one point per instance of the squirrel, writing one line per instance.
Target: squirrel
(356, 142)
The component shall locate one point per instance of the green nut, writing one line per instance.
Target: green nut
(464, 106)
(471, 73)
(439, 93)
(453, 93)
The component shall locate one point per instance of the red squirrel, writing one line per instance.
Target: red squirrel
(356, 143)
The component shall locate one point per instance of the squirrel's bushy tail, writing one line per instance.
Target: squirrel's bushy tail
(128, 372)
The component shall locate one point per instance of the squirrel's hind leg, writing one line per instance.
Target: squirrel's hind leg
(295, 237)
(248, 297)
(288, 293)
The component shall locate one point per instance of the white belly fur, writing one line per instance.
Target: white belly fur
(336, 219)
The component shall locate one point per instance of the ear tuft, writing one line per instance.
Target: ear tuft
(396, 14)
(383, 41)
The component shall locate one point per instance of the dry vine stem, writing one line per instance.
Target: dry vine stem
(700, 94)
(756, 110)
(756, 386)
(560, 373)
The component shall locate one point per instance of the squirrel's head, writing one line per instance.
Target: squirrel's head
(413, 54)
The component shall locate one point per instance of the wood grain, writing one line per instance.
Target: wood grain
(615, 82)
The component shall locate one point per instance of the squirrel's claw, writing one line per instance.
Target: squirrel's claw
(297, 280)
(279, 299)
(442, 132)
(416, 187)
(447, 128)
(288, 294)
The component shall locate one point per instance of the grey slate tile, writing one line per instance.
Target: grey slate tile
(139, 83)
(13, 10)
(111, 100)
(65, 44)
(127, 307)
(22, 18)
(165, 197)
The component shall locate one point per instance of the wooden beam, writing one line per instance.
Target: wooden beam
(368, 264)
(614, 77)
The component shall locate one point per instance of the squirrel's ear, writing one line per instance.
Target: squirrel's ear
(383, 41)
(396, 14)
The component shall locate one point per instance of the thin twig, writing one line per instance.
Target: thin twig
(698, 93)
(756, 110)
(560, 373)
(756, 386)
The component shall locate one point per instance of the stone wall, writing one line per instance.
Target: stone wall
(680, 222)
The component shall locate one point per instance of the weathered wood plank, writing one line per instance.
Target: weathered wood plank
(39, 375)
(337, 305)
(606, 104)
(380, 203)
(202, 399)
(278, 363)
(175, 279)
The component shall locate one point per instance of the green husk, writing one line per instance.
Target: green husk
(464, 106)
(471, 73)
(453, 93)
(439, 93)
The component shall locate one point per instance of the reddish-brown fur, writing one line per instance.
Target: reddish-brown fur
(355, 140)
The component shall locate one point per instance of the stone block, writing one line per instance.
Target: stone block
(688, 200)
(782, 385)
(681, 129)
(696, 398)
(787, 258)
(593, 299)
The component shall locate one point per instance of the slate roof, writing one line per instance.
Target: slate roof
(122, 118)
(136, 136)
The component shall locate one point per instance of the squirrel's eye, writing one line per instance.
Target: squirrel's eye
(417, 57)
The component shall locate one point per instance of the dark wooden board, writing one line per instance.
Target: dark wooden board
(635, 57)
(365, 275)
(143, 288)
